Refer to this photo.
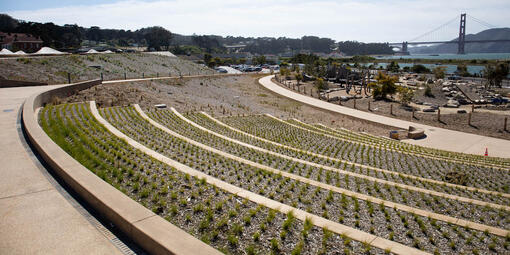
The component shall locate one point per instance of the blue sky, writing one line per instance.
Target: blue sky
(361, 20)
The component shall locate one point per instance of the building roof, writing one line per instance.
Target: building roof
(7, 38)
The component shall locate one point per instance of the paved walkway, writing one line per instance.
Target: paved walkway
(438, 138)
(35, 217)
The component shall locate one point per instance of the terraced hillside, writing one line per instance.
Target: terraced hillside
(259, 184)
(54, 70)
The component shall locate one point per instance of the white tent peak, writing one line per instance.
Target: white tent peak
(5, 52)
(48, 50)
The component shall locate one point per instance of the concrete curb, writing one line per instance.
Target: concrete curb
(147, 229)
(357, 164)
(352, 233)
(424, 213)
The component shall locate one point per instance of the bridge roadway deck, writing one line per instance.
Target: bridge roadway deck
(438, 138)
(35, 218)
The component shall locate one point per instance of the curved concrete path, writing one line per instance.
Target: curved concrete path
(438, 138)
(35, 217)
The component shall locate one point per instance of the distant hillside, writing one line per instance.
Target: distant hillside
(489, 34)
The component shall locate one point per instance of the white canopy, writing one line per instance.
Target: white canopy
(20, 52)
(92, 51)
(5, 52)
(49, 51)
(107, 51)
(163, 53)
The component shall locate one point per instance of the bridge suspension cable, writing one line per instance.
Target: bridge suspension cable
(481, 22)
(434, 30)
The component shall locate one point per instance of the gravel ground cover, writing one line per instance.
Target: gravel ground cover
(227, 222)
(479, 214)
(210, 124)
(277, 131)
(403, 227)
(404, 147)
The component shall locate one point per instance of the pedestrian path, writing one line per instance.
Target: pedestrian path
(438, 138)
(35, 216)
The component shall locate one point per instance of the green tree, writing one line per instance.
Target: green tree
(393, 67)
(495, 73)
(406, 95)
(439, 72)
(420, 69)
(259, 60)
(462, 70)
(158, 38)
(299, 77)
(428, 91)
(384, 86)
(320, 84)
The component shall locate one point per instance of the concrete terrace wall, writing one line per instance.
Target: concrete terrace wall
(150, 231)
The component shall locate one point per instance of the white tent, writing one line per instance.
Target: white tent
(5, 52)
(107, 51)
(163, 53)
(20, 52)
(48, 51)
(92, 51)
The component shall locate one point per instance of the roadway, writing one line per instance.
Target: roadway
(438, 138)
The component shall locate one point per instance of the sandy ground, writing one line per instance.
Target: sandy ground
(483, 121)
(221, 96)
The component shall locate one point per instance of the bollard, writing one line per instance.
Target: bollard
(143, 75)
(469, 119)
(472, 108)
(369, 106)
(157, 75)
(414, 110)
(439, 114)
(354, 103)
(69, 78)
(391, 109)
(504, 126)
(101, 76)
(125, 76)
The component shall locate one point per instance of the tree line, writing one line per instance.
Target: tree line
(159, 38)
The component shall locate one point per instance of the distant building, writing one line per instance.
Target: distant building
(19, 41)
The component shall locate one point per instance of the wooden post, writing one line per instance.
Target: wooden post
(125, 76)
(101, 76)
(143, 75)
(506, 121)
(157, 75)
(469, 119)
(391, 109)
(414, 110)
(69, 77)
(439, 114)
(369, 106)
(354, 103)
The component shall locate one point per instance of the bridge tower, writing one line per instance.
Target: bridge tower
(404, 46)
(462, 34)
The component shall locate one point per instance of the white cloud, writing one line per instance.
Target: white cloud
(368, 20)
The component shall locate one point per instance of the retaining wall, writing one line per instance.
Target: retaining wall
(148, 230)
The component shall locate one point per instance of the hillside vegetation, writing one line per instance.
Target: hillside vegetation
(54, 70)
